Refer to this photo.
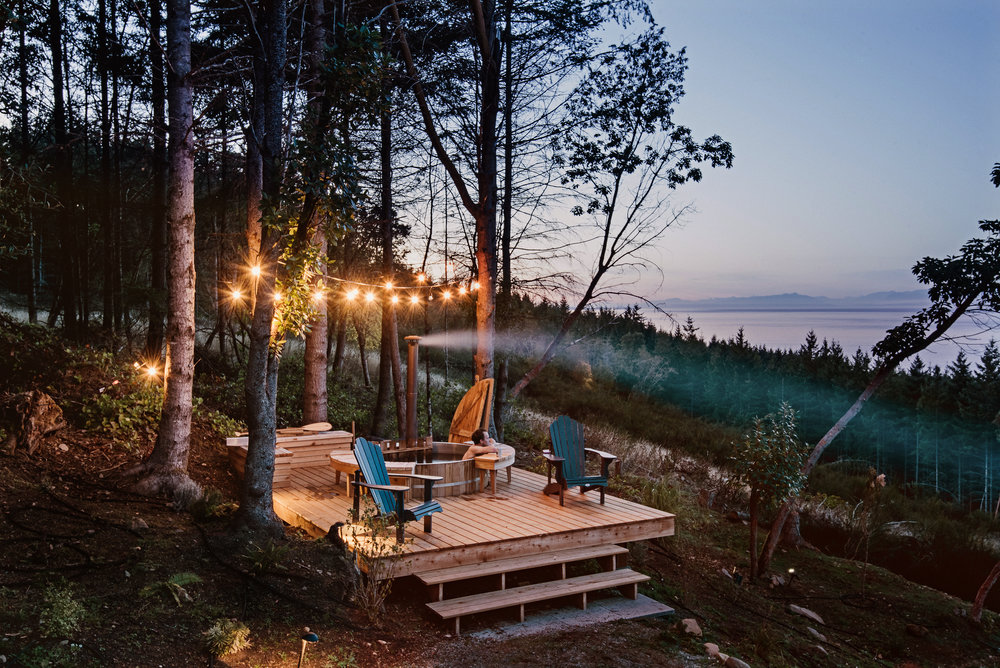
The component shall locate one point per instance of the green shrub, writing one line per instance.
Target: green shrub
(62, 615)
(128, 412)
(226, 636)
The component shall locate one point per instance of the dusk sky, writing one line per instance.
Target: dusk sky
(864, 134)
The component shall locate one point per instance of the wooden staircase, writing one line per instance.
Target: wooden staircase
(611, 558)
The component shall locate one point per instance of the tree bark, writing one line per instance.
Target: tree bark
(256, 512)
(976, 613)
(63, 178)
(165, 471)
(314, 395)
(22, 68)
(359, 329)
(157, 218)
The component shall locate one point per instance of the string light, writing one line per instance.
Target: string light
(237, 295)
(318, 295)
(421, 278)
(475, 285)
(352, 294)
(388, 285)
(461, 290)
(414, 299)
(370, 297)
(277, 296)
(255, 271)
(446, 294)
(151, 371)
(395, 299)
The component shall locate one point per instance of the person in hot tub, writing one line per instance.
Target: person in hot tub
(482, 444)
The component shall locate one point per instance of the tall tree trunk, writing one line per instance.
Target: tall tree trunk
(63, 178)
(157, 218)
(104, 202)
(388, 353)
(484, 14)
(314, 395)
(338, 352)
(359, 329)
(22, 69)
(165, 471)
(506, 280)
(256, 511)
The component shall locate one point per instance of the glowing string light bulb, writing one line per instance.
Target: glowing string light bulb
(475, 285)
(352, 294)
(255, 271)
(421, 278)
(446, 294)
(461, 290)
(237, 295)
(370, 297)
(414, 299)
(151, 371)
(395, 299)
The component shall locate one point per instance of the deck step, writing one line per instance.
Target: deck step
(511, 564)
(456, 608)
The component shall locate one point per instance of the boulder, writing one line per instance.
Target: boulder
(712, 649)
(690, 627)
(805, 612)
(733, 662)
(816, 634)
(917, 631)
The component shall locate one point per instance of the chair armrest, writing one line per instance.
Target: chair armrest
(551, 457)
(602, 454)
(416, 476)
(388, 488)
(606, 459)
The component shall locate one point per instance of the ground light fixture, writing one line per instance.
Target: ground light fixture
(307, 637)
(791, 576)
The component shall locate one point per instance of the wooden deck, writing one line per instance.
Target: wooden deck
(475, 528)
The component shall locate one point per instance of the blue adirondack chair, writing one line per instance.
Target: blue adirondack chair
(568, 459)
(372, 475)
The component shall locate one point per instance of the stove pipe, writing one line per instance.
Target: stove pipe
(411, 390)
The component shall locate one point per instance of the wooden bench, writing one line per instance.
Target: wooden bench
(625, 579)
(609, 557)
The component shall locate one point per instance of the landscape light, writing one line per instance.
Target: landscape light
(307, 637)
(791, 576)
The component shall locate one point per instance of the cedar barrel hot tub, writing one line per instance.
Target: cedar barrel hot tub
(458, 476)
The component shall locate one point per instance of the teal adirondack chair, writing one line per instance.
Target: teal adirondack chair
(372, 475)
(568, 458)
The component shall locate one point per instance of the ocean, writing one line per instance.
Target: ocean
(852, 329)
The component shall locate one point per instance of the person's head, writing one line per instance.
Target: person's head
(479, 437)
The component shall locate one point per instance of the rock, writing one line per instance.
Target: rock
(727, 573)
(821, 650)
(816, 634)
(690, 626)
(723, 657)
(64, 447)
(777, 581)
(805, 612)
(733, 662)
(712, 649)
(917, 631)
(138, 524)
(734, 516)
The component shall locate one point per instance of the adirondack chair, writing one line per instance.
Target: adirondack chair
(568, 458)
(373, 476)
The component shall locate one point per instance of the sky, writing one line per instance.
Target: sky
(864, 134)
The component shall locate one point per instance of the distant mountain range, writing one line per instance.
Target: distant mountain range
(876, 301)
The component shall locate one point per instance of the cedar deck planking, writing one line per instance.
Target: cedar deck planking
(478, 527)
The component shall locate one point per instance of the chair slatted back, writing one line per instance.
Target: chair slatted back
(372, 465)
(567, 442)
